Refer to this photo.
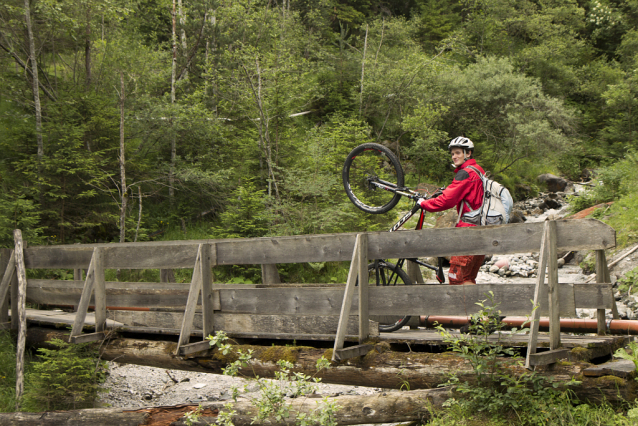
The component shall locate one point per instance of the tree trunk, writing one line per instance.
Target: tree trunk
(87, 48)
(36, 82)
(124, 189)
(381, 367)
(388, 407)
(171, 173)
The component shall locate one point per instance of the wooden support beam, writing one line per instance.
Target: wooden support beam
(602, 276)
(513, 238)
(347, 298)
(192, 348)
(414, 272)
(21, 303)
(167, 276)
(99, 289)
(540, 293)
(207, 261)
(352, 352)
(77, 274)
(15, 317)
(552, 275)
(193, 295)
(549, 357)
(83, 305)
(364, 300)
(270, 274)
(9, 267)
(88, 337)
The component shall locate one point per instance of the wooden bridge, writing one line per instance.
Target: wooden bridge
(321, 312)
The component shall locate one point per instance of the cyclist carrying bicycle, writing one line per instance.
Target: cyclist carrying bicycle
(466, 193)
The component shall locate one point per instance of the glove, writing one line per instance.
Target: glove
(419, 202)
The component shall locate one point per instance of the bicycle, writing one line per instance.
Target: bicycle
(374, 181)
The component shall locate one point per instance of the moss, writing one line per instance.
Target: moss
(170, 348)
(612, 380)
(328, 355)
(275, 353)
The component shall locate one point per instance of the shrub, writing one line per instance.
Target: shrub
(67, 377)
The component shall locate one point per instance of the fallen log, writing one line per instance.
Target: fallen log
(384, 407)
(381, 367)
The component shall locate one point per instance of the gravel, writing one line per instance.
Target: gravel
(134, 386)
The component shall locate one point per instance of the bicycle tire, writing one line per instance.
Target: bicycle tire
(387, 271)
(371, 161)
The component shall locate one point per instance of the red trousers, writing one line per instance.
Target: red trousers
(464, 268)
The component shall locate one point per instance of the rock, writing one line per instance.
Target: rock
(494, 268)
(501, 262)
(517, 216)
(554, 183)
(447, 219)
(522, 191)
(552, 204)
(561, 262)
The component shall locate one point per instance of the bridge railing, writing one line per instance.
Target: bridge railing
(313, 309)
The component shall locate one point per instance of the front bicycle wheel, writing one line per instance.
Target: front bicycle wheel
(386, 273)
(369, 169)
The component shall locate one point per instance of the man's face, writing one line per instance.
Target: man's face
(458, 156)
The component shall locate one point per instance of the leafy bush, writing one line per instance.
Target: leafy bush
(273, 401)
(7, 373)
(67, 377)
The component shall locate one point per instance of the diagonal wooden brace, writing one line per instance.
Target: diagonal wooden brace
(202, 281)
(358, 269)
(94, 282)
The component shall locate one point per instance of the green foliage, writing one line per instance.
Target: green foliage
(248, 215)
(631, 355)
(629, 281)
(273, 401)
(497, 391)
(67, 377)
(7, 373)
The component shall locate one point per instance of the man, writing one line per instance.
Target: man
(466, 193)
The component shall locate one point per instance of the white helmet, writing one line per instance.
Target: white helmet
(461, 142)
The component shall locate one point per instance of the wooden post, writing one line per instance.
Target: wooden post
(15, 317)
(347, 298)
(269, 274)
(602, 276)
(552, 275)
(539, 294)
(208, 259)
(77, 274)
(167, 276)
(191, 302)
(99, 291)
(364, 315)
(8, 264)
(22, 313)
(414, 272)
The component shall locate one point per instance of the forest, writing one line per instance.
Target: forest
(134, 120)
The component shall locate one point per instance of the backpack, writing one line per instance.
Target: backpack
(496, 207)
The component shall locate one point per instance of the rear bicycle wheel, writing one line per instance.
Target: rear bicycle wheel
(366, 165)
(386, 273)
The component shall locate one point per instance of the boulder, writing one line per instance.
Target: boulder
(554, 183)
(552, 204)
(447, 219)
(517, 216)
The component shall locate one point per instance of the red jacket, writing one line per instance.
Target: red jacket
(466, 186)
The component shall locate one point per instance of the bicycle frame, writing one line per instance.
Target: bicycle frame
(406, 192)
